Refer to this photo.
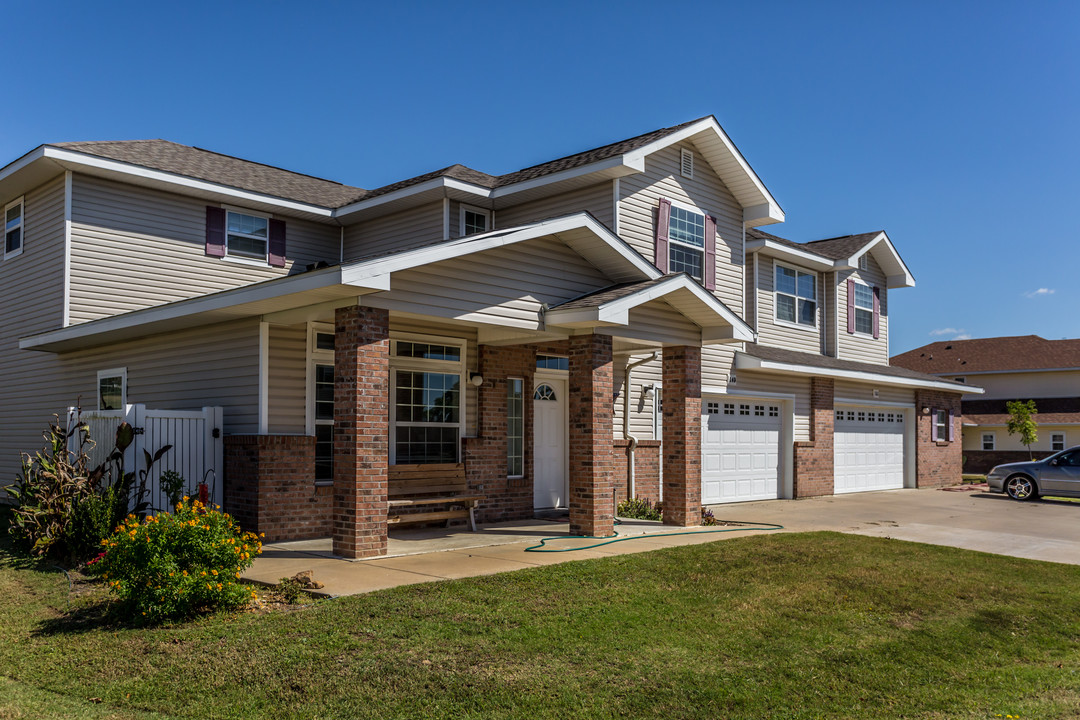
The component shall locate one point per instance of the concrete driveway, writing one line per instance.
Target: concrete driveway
(1040, 530)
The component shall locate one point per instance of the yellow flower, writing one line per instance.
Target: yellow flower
(204, 573)
(185, 498)
(213, 572)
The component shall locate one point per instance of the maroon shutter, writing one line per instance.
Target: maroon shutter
(663, 221)
(215, 231)
(949, 415)
(877, 311)
(276, 254)
(933, 425)
(851, 306)
(710, 252)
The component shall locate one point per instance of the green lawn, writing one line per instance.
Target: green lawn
(817, 625)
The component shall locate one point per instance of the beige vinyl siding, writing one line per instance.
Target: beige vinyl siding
(828, 309)
(751, 382)
(865, 391)
(422, 225)
(287, 389)
(422, 327)
(786, 335)
(972, 438)
(133, 248)
(502, 286)
(639, 198)
(597, 199)
(1023, 386)
(864, 348)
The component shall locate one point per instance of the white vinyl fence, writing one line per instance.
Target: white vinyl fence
(195, 436)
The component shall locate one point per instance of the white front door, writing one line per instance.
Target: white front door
(740, 449)
(550, 459)
(869, 449)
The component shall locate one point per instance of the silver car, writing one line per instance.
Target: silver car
(1057, 475)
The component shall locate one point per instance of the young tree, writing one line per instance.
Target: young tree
(1022, 423)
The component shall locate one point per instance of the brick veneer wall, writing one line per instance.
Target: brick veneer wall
(646, 470)
(361, 430)
(270, 488)
(592, 413)
(682, 435)
(938, 464)
(813, 471)
(983, 461)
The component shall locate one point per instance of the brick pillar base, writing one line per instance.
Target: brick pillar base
(682, 436)
(813, 472)
(361, 430)
(592, 510)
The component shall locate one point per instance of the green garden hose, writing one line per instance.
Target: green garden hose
(610, 539)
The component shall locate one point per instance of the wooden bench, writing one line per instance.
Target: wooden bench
(443, 484)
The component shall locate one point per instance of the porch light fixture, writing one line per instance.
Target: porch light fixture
(926, 411)
(649, 390)
(476, 379)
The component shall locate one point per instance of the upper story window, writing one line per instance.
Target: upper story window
(796, 296)
(686, 237)
(474, 220)
(13, 228)
(864, 309)
(247, 235)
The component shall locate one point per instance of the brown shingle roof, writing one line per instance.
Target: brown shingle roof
(1022, 352)
(792, 357)
(612, 293)
(222, 169)
(836, 248)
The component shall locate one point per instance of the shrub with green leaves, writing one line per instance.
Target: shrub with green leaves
(178, 564)
(639, 509)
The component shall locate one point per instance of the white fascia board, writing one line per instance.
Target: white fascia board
(216, 302)
(902, 278)
(775, 211)
(438, 183)
(764, 214)
(619, 161)
(749, 362)
(364, 270)
(794, 255)
(17, 165)
(92, 161)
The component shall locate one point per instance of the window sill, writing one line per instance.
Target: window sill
(797, 326)
(324, 483)
(14, 254)
(862, 335)
(246, 261)
(942, 443)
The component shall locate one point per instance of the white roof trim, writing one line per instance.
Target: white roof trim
(795, 255)
(900, 277)
(92, 161)
(617, 312)
(17, 165)
(766, 211)
(744, 361)
(123, 325)
(438, 183)
(376, 267)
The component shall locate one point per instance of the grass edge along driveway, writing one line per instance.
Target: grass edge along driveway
(809, 625)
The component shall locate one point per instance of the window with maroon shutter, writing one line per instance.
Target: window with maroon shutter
(687, 242)
(215, 231)
(877, 312)
(663, 220)
(710, 252)
(234, 234)
(863, 300)
(276, 251)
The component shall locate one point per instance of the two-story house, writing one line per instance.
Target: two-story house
(1024, 367)
(607, 323)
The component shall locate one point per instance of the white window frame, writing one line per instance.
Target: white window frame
(942, 426)
(686, 158)
(113, 372)
(424, 365)
(859, 309)
(687, 207)
(22, 227)
(246, 259)
(316, 356)
(476, 210)
(776, 306)
(1064, 441)
(509, 475)
(983, 441)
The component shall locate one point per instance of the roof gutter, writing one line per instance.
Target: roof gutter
(744, 361)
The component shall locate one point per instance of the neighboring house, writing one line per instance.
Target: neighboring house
(603, 324)
(1025, 367)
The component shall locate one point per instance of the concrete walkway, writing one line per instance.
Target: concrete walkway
(1043, 530)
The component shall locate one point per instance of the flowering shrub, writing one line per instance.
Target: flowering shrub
(639, 509)
(707, 517)
(177, 564)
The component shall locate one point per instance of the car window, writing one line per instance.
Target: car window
(1070, 459)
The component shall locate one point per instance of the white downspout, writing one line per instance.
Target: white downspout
(631, 439)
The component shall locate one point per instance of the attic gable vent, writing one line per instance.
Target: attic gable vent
(864, 262)
(687, 163)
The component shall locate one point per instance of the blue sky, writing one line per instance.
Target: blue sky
(953, 126)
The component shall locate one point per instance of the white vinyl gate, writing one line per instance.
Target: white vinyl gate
(195, 436)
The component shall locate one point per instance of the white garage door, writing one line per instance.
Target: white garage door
(869, 452)
(740, 449)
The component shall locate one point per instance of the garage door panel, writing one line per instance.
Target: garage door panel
(747, 441)
(869, 450)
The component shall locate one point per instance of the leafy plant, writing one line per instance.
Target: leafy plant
(174, 565)
(707, 517)
(172, 484)
(292, 591)
(1022, 423)
(639, 509)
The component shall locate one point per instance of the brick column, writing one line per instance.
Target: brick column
(592, 411)
(361, 430)
(813, 472)
(682, 436)
(937, 463)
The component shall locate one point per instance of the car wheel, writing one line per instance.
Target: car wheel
(1021, 487)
